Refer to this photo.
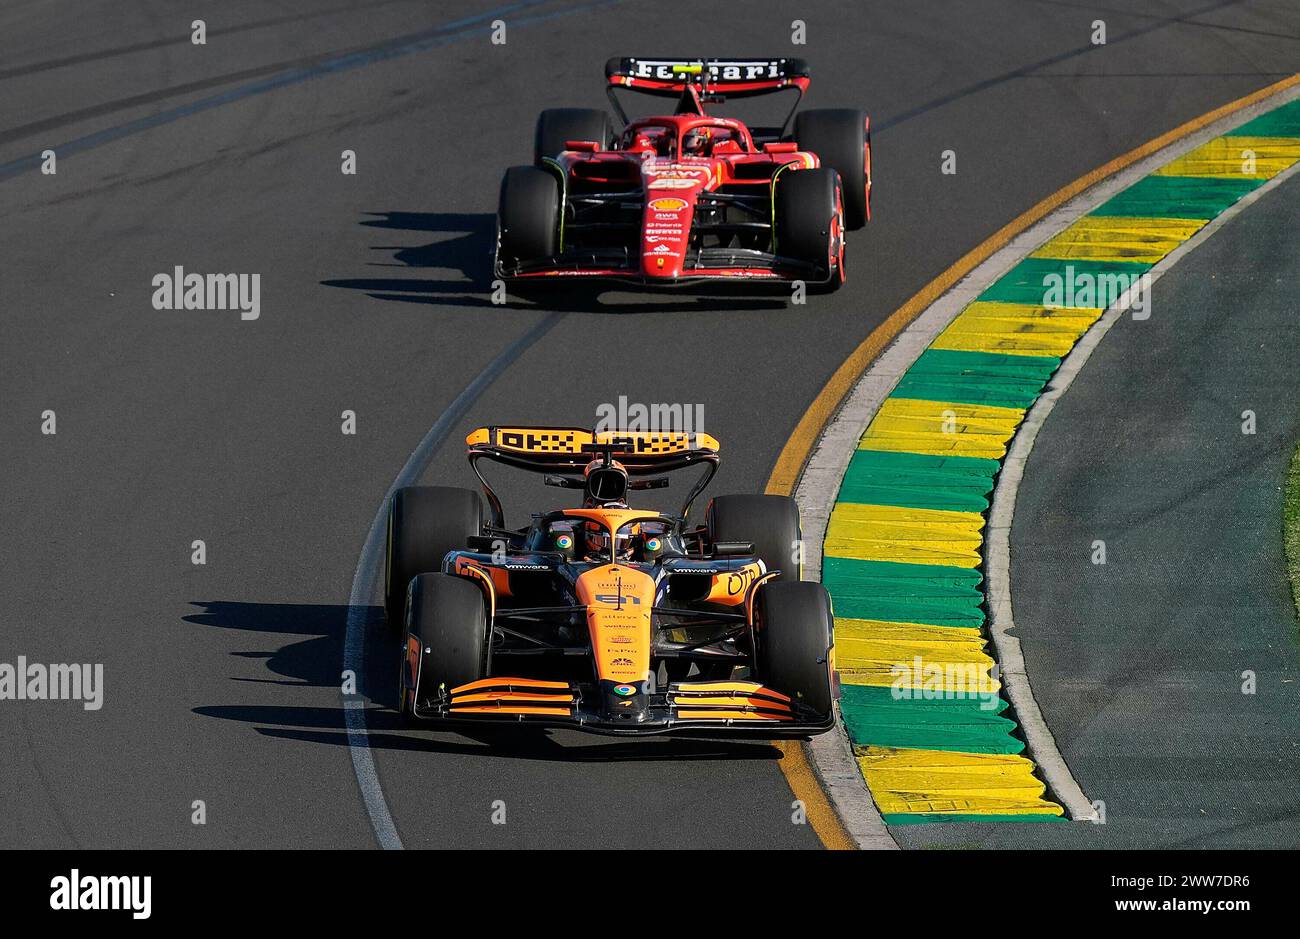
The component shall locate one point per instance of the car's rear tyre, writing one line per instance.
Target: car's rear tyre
(810, 221)
(424, 523)
(842, 141)
(557, 126)
(792, 642)
(528, 215)
(447, 615)
(770, 522)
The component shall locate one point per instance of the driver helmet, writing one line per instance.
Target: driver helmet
(697, 141)
(595, 543)
(595, 539)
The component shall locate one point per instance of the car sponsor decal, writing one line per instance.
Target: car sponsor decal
(618, 601)
(677, 170)
(668, 204)
(730, 71)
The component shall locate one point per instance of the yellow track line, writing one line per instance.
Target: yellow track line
(808, 790)
(794, 764)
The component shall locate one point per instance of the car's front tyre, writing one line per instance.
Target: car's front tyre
(793, 643)
(810, 222)
(447, 617)
(528, 216)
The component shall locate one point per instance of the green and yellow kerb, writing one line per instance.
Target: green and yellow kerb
(923, 711)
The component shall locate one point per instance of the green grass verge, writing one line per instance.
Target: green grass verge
(1291, 526)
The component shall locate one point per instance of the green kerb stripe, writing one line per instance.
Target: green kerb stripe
(873, 716)
(1009, 381)
(1281, 122)
(918, 480)
(1024, 283)
(938, 594)
(1177, 197)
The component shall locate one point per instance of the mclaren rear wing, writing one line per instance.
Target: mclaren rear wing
(557, 449)
(547, 449)
(698, 81)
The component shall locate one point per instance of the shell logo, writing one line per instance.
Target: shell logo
(668, 205)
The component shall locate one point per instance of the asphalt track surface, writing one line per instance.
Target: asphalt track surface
(1139, 665)
(222, 680)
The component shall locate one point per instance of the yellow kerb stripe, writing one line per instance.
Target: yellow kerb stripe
(907, 655)
(1113, 238)
(941, 428)
(907, 535)
(916, 781)
(1229, 157)
(1016, 329)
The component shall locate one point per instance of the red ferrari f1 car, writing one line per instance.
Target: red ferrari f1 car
(605, 617)
(686, 197)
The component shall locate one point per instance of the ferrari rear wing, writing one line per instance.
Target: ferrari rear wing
(724, 78)
(696, 81)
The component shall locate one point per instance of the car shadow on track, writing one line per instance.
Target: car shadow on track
(312, 661)
(316, 661)
(470, 253)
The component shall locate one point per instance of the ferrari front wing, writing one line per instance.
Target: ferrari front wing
(704, 265)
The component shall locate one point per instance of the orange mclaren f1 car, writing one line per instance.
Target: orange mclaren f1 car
(604, 617)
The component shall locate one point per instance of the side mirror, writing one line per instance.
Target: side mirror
(482, 543)
(730, 549)
(562, 482)
(582, 146)
(783, 146)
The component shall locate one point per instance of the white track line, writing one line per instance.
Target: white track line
(820, 480)
(365, 581)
